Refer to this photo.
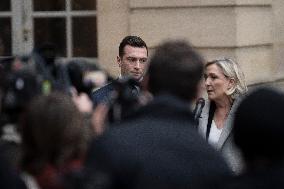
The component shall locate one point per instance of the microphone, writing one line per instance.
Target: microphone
(198, 108)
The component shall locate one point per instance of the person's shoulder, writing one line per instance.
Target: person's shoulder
(102, 93)
(108, 87)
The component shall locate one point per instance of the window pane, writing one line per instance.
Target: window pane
(85, 37)
(5, 37)
(51, 30)
(5, 5)
(48, 5)
(83, 4)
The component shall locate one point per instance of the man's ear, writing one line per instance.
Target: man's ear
(119, 61)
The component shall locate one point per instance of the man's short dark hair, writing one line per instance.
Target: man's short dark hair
(133, 41)
(175, 68)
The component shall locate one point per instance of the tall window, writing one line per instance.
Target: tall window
(70, 25)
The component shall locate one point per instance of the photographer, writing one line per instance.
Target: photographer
(19, 85)
(40, 72)
(77, 78)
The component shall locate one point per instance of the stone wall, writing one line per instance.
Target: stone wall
(249, 31)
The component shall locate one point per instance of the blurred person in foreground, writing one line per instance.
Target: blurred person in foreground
(9, 177)
(225, 85)
(158, 145)
(18, 86)
(54, 143)
(132, 60)
(259, 133)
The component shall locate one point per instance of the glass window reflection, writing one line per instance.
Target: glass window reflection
(5, 5)
(5, 37)
(83, 4)
(85, 37)
(51, 31)
(48, 5)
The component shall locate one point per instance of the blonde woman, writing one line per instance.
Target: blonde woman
(225, 85)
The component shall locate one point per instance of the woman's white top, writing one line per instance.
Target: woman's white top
(214, 134)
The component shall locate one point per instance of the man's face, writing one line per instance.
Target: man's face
(134, 62)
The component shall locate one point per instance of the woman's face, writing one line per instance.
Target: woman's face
(216, 82)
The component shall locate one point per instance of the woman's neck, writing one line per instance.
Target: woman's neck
(222, 111)
(224, 103)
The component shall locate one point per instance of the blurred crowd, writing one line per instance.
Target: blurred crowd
(171, 120)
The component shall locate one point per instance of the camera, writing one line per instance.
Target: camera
(77, 71)
(23, 77)
(125, 99)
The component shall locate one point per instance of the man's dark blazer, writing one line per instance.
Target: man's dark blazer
(156, 147)
(103, 94)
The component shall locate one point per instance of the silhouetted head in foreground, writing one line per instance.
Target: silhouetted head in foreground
(259, 128)
(175, 68)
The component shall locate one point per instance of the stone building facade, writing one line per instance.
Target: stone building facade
(249, 31)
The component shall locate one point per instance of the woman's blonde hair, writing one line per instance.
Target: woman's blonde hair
(231, 70)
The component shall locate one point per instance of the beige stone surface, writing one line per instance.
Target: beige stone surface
(204, 27)
(254, 2)
(187, 3)
(278, 65)
(249, 31)
(278, 37)
(113, 25)
(257, 63)
(254, 25)
(210, 54)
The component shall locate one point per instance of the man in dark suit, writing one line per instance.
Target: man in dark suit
(158, 146)
(132, 60)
